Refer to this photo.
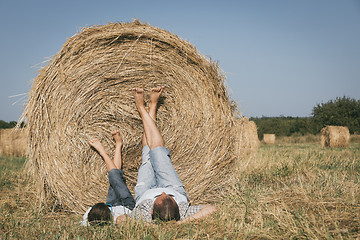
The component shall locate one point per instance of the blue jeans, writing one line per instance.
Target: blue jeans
(119, 194)
(157, 171)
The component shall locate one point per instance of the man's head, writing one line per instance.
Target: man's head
(99, 214)
(165, 208)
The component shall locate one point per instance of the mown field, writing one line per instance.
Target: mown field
(291, 190)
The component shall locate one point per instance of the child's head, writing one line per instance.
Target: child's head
(100, 214)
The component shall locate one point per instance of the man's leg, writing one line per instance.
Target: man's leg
(152, 133)
(146, 176)
(154, 98)
(165, 173)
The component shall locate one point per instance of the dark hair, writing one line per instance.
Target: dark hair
(167, 210)
(99, 214)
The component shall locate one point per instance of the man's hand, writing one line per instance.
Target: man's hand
(204, 212)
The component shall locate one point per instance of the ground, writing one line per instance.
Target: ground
(288, 191)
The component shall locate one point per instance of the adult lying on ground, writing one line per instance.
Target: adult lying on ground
(159, 193)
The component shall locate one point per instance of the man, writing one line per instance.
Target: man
(159, 193)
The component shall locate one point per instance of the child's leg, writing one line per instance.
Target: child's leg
(118, 146)
(119, 194)
(95, 143)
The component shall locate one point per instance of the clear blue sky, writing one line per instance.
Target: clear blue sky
(280, 57)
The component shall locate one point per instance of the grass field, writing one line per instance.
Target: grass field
(288, 191)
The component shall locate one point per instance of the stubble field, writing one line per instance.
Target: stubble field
(291, 190)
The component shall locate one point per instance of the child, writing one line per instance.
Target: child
(119, 200)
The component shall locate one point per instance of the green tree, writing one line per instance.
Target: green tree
(284, 126)
(4, 124)
(343, 111)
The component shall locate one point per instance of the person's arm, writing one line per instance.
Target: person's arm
(205, 211)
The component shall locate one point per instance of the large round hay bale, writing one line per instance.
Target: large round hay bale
(85, 92)
(335, 136)
(269, 138)
(13, 142)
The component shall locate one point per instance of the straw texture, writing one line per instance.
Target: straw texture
(85, 92)
(335, 136)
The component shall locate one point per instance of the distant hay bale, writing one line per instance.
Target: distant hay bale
(269, 138)
(13, 142)
(248, 140)
(85, 92)
(335, 136)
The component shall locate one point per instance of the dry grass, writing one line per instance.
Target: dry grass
(287, 191)
(308, 191)
(298, 138)
(355, 138)
(85, 92)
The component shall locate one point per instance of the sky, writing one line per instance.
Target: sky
(280, 57)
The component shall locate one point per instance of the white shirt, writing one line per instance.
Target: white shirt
(151, 193)
(116, 211)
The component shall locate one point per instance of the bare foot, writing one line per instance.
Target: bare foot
(117, 137)
(95, 143)
(139, 96)
(155, 94)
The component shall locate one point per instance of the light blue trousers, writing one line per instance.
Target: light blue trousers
(157, 171)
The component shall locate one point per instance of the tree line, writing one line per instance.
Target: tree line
(342, 111)
(10, 124)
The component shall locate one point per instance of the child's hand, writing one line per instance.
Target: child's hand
(121, 219)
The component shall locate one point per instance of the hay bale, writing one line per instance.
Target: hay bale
(248, 140)
(269, 138)
(246, 144)
(13, 142)
(85, 92)
(335, 136)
